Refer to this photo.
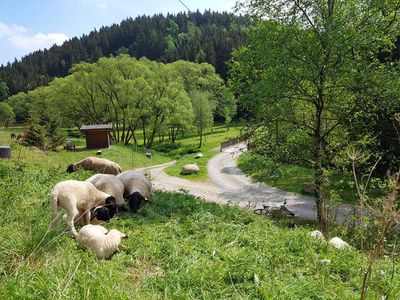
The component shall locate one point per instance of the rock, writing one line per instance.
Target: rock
(190, 169)
(338, 243)
(148, 155)
(199, 155)
(317, 235)
(308, 188)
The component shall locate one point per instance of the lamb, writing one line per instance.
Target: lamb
(111, 185)
(102, 242)
(77, 198)
(137, 188)
(338, 243)
(96, 164)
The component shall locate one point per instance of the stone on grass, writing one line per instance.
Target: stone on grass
(190, 169)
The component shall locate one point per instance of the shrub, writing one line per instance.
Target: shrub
(167, 147)
(35, 136)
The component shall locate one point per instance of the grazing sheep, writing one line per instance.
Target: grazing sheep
(13, 136)
(317, 235)
(77, 198)
(137, 188)
(109, 184)
(96, 164)
(199, 155)
(102, 242)
(190, 169)
(338, 243)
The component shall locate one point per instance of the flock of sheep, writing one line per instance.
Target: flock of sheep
(98, 199)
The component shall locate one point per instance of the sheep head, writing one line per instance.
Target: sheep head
(134, 201)
(71, 168)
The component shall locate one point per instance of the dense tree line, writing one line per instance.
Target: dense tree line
(201, 37)
(133, 95)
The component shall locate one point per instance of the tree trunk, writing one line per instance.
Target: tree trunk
(201, 136)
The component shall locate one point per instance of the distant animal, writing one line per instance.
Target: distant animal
(77, 198)
(148, 155)
(96, 164)
(99, 152)
(338, 243)
(98, 239)
(190, 169)
(69, 145)
(13, 136)
(111, 185)
(137, 188)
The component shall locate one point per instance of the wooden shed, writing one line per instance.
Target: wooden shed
(97, 136)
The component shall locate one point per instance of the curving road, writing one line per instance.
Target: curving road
(228, 184)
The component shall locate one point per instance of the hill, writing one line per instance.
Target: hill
(201, 37)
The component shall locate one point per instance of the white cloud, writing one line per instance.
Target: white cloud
(37, 41)
(6, 31)
(22, 39)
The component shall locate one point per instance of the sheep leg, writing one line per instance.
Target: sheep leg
(86, 217)
(72, 213)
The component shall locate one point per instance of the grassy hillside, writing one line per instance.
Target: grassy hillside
(212, 140)
(178, 248)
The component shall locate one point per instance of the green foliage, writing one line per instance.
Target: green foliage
(7, 115)
(167, 147)
(160, 37)
(20, 105)
(178, 247)
(4, 91)
(35, 136)
(203, 112)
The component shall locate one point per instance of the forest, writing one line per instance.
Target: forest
(199, 37)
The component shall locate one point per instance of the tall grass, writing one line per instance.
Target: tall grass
(179, 247)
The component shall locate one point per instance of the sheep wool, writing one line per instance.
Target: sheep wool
(338, 243)
(135, 181)
(109, 184)
(102, 242)
(76, 198)
(96, 164)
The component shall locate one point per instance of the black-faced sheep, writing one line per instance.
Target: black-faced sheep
(77, 198)
(102, 242)
(69, 145)
(137, 188)
(111, 185)
(96, 164)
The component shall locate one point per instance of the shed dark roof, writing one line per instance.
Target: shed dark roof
(96, 127)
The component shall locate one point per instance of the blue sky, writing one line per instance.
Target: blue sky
(29, 25)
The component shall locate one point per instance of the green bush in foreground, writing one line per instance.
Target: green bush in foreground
(179, 247)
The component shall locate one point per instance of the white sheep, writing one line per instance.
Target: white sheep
(109, 184)
(137, 188)
(338, 243)
(102, 242)
(77, 198)
(96, 164)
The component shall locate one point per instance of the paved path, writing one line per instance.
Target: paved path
(228, 184)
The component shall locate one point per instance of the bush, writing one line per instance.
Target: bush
(167, 147)
(35, 136)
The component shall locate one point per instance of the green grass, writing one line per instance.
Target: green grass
(178, 248)
(211, 140)
(291, 177)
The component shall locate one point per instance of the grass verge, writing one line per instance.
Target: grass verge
(178, 248)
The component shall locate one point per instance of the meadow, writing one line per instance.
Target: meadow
(179, 247)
